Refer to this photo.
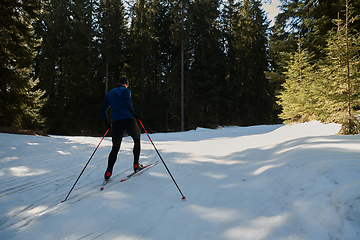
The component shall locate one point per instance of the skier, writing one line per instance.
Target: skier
(123, 118)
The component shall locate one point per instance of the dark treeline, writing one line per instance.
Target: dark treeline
(86, 45)
(60, 57)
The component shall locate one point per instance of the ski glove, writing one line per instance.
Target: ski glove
(135, 115)
(107, 125)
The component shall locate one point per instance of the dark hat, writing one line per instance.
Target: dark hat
(123, 80)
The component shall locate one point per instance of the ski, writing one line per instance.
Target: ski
(139, 172)
(104, 183)
(130, 175)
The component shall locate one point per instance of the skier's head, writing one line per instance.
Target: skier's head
(123, 80)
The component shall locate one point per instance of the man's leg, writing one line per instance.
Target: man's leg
(117, 131)
(134, 131)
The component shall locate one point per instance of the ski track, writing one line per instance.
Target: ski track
(53, 190)
(253, 188)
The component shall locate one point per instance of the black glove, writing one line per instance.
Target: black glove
(135, 115)
(107, 125)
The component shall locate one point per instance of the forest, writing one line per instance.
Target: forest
(191, 63)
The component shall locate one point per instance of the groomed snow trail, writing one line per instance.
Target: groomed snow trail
(251, 183)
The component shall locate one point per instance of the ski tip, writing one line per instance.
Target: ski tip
(102, 188)
(63, 201)
(122, 180)
(183, 198)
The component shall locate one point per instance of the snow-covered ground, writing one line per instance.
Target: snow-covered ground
(262, 182)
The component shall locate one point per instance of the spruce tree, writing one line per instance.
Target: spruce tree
(208, 63)
(309, 20)
(299, 97)
(256, 100)
(52, 63)
(139, 52)
(82, 86)
(20, 100)
(340, 73)
(112, 42)
(301, 19)
(158, 89)
(231, 30)
(68, 67)
(154, 62)
(178, 65)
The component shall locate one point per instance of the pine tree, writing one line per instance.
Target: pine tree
(207, 64)
(299, 98)
(112, 37)
(281, 43)
(159, 89)
(82, 89)
(256, 100)
(178, 66)
(20, 99)
(67, 71)
(309, 20)
(139, 52)
(52, 63)
(231, 29)
(301, 19)
(154, 62)
(340, 73)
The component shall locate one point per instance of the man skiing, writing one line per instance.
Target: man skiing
(123, 118)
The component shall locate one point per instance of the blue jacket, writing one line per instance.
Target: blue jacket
(120, 101)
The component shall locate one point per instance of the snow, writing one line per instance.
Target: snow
(250, 183)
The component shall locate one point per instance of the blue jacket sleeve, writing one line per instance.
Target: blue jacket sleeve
(104, 108)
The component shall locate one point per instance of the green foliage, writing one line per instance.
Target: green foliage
(207, 75)
(299, 97)
(341, 76)
(20, 99)
(326, 88)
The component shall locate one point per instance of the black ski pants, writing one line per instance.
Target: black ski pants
(118, 128)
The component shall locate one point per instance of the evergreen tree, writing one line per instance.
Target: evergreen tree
(52, 62)
(89, 44)
(231, 29)
(299, 97)
(178, 65)
(83, 89)
(19, 98)
(330, 91)
(300, 19)
(67, 70)
(281, 43)
(158, 89)
(207, 69)
(309, 20)
(340, 73)
(154, 62)
(139, 48)
(257, 94)
(112, 37)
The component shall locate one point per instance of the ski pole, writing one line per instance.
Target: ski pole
(183, 197)
(86, 165)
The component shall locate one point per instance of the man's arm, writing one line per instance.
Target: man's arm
(104, 108)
